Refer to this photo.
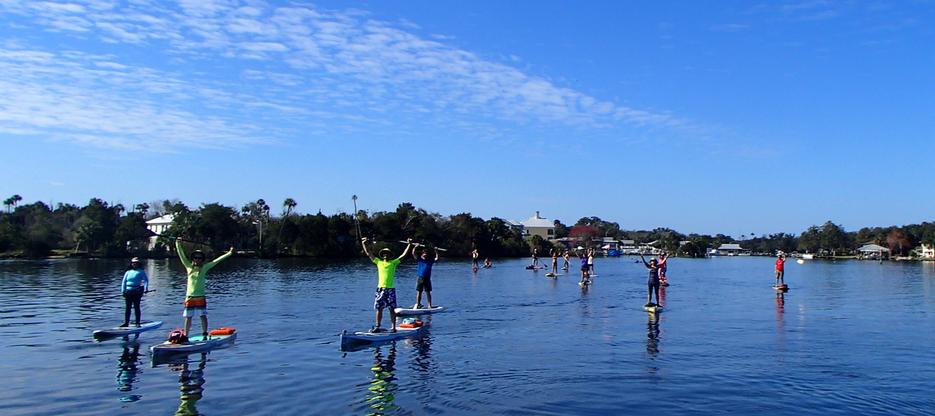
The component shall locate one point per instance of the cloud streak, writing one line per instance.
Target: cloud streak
(299, 63)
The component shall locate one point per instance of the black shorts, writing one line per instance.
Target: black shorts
(585, 268)
(424, 284)
(652, 284)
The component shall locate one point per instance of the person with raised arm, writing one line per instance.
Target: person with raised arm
(195, 302)
(663, 263)
(424, 273)
(653, 282)
(780, 270)
(385, 296)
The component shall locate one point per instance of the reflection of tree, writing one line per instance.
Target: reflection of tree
(383, 386)
(190, 386)
(127, 369)
(652, 335)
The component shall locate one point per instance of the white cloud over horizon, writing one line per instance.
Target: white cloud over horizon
(299, 64)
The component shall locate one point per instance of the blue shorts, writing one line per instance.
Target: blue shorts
(385, 297)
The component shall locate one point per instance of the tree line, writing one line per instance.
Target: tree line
(112, 230)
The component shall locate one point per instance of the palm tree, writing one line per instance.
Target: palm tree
(8, 203)
(142, 209)
(16, 199)
(287, 207)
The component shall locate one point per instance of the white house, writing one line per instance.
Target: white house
(158, 226)
(927, 252)
(537, 225)
(729, 249)
(873, 251)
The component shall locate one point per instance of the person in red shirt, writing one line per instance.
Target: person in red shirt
(780, 270)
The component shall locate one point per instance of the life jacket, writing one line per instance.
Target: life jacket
(223, 331)
(411, 324)
(176, 336)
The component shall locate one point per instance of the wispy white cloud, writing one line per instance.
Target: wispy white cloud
(300, 63)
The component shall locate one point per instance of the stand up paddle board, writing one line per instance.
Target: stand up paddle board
(551, 275)
(365, 337)
(418, 311)
(196, 343)
(653, 308)
(585, 283)
(781, 288)
(128, 330)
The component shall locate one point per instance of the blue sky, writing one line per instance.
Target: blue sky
(743, 117)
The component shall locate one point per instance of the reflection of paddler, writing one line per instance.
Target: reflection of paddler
(191, 387)
(383, 385)
(652, 334)
(127, 369)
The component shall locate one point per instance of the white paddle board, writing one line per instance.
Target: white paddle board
(196, 343)
(653, 308)
(365, 337)
(128, 330)
(418, 311)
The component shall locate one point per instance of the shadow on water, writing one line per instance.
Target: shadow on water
(128, 368)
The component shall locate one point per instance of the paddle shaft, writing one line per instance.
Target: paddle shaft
(423, 245)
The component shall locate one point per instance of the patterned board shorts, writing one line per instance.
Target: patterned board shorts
(385, 297)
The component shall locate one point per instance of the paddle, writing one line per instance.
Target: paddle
(423, 245)
(182, 239)
(148, 291)
(356, 221)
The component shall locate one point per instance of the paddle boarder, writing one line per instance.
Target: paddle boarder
(424, 273)
(585, 276)
(195, 302)
(653, 282)
(385, 296)
(780, 269)
(566, 257)
(132, 287)
(663, 265)
(487, 263)
(535, 258)
(554, 254)
(591, 262)
(474, 256)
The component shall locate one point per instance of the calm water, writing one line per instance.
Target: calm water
(850, 337)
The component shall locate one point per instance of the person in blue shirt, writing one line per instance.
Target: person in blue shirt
(133, 286)
(424, 272)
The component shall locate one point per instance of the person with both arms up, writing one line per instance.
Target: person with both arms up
(653, 282)
(385, 296)
(424, 273)
(195, 302)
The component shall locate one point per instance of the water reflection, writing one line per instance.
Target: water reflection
(652, 335)
(127, 369)
(191, 385)
(382, 388)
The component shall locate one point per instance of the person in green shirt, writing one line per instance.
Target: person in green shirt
(195, 302)
(385, 297)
